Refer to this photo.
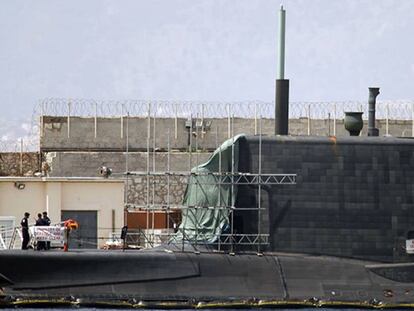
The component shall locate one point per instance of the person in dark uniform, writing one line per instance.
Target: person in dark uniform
(46, 219)
(25, 230)
(47, 222)
(40, 222)
(41, 245)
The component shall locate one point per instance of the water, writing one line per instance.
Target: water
(226, 309)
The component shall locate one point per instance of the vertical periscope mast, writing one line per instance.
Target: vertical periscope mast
(282, 84)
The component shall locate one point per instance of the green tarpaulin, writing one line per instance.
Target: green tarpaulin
(205, 215)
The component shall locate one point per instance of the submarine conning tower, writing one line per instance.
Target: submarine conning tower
(353, 197)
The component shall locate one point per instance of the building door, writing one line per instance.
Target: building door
(86, 235)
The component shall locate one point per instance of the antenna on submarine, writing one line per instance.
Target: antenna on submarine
(281, 43)
(282, 84)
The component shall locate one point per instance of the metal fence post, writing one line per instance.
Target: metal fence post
(122, 120)
(42, 113)
(387, 120)
(202, 120)
(21, 156)
(255, 119)
(228, 121)
(68, 118)
(96, 120)
(329, 124)
(309, 120)
(176, 122)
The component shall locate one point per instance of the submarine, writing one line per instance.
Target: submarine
(267, 221)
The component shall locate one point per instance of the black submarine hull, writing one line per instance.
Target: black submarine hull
(161, 276)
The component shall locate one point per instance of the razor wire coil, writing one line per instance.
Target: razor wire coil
(68, 107)
(394, 110)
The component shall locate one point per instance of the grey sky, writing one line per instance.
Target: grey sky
(201, 50)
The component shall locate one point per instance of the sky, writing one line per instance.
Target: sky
(216, 50)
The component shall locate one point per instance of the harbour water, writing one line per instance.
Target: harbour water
(292, 309)
(263, 309)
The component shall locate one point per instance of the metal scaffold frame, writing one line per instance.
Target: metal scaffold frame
(153, 178)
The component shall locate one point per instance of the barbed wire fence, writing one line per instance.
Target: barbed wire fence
(386, 110)
(394, 110)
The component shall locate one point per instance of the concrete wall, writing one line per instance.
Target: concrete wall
(110, 134)
(353, 198)
(56, 195)
(19, 164)
(87, 164)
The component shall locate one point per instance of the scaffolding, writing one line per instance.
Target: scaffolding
(225, 240)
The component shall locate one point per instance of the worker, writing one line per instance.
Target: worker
(46, 219)
(47, 222)
(25, 230)
(41, 245)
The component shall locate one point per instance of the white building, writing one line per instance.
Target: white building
(96, 203)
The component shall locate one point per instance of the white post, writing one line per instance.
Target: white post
(255, 119)
(47, 204)
(387, 120)
(122, 121)
(176, 122)
(96, 119)
(228, 121)
(42, 113)
(232, 125)
(68, 118)
(329, 124)
(126, 160)
(259, 189)
(21, 156)
(232, 195)
(309, 121)
(202, 120)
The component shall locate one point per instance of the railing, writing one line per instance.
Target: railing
(147, 238)
(8, 237)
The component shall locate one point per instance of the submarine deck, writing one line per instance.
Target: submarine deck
(161, 275)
